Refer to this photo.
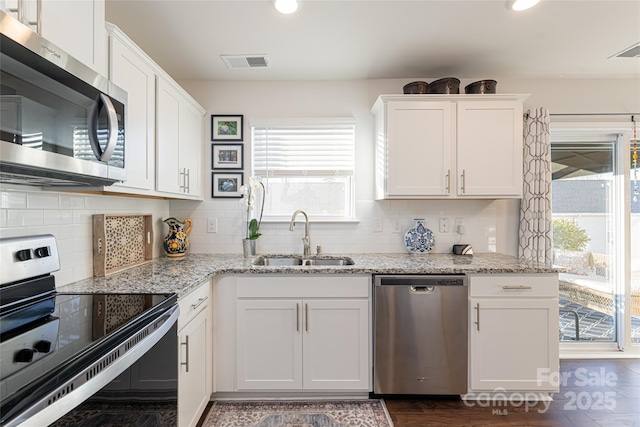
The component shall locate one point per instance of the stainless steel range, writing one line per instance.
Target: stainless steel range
(57, 349)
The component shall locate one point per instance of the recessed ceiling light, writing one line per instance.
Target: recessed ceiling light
(519, 5)
(286, 6)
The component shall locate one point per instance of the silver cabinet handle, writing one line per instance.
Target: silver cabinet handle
(198, 303)
(517, 288)
(182, 179)
(463, 181)
(186, 343)
(297, 317)
(306, 317)
(477, 322)
(448, 181)
(187, 184)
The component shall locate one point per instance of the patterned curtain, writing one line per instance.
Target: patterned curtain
(535, 208)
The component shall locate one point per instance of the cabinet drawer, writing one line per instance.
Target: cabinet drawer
(193, 303)
(513, 285)
(291, 286)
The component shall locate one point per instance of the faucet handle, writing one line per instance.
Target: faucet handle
(318, 250)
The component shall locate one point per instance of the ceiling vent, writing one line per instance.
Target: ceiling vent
(235, 62)
(630, 52)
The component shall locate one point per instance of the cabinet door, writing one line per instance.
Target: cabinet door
(75, 26)
(168, 176)
(418, 148)
(489, 149)
(190, 147)
(194, 370)
(513, 343)
(336, 344)
(130, 72)
(269, 344)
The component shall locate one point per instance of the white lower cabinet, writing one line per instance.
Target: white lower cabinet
(302, 344)
(294, 333)
(194, 355)
(513, 332)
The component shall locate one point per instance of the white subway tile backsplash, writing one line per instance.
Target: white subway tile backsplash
(25, 218)
(69, 218)
(43, 201)
(71, 201)
(13, 200)
(98, 203)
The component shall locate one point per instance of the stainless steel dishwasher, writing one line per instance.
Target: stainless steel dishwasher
(420, 334)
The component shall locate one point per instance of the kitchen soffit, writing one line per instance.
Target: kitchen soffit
(331, 40)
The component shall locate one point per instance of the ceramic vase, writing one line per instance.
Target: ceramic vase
(249, 247)
(176, 241)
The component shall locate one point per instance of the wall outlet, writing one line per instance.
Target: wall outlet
(212, 225)
(397, 226)
(459, 221)
(377, 225)
(444, 225)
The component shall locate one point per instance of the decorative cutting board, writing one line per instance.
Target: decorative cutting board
(121, 242)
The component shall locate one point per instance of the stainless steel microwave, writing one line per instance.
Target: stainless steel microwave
(61, 123)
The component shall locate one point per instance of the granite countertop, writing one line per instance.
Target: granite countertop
(180, 275)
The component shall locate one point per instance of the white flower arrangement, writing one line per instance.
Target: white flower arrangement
(251, 192)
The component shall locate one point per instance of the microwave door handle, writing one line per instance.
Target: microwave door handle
(112, 123)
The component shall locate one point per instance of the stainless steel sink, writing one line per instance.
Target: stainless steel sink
(268, 260)
(276, 260)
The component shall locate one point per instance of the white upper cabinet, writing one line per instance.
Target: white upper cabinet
(448, 146)
(76, 26)
(179, 141)
(164, 126)
(489, 149)
(418, 148)
(131, 70)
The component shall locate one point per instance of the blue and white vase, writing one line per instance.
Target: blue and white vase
(419, 239)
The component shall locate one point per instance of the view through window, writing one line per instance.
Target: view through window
(306, 164)
(586, 216)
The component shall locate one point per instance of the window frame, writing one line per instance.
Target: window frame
(350, 196)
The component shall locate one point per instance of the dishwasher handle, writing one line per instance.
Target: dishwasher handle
(421, 280)
(428, 289)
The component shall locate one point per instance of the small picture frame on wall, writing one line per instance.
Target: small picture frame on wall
(226, 185)
(227, 156)
(226, 127)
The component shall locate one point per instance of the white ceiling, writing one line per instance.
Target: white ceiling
(329, 40)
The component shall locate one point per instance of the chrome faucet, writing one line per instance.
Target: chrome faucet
(306, 240)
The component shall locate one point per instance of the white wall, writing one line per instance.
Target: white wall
(491, 225)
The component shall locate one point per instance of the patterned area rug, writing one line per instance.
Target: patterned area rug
(321, 413)
(90, 414)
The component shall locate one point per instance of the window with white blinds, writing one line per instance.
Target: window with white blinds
(306, 164)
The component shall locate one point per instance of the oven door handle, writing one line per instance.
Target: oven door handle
(91, 379)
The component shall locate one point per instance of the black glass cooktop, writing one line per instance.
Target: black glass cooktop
(48, 340)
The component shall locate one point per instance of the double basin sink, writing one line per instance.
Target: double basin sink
(287, 260)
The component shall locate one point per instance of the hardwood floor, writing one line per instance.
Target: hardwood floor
(595, 393)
